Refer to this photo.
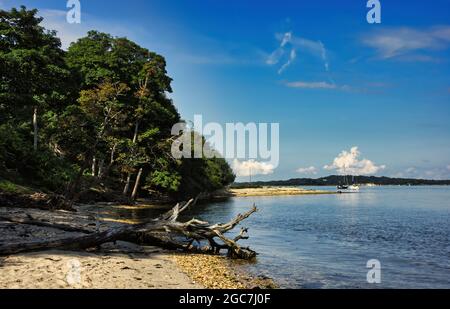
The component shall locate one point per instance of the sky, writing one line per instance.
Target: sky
(349, 96)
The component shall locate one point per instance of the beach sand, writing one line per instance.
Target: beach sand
(275, 191)
(120, 266)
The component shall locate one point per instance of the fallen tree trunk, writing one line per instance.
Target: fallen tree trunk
(164, 231)
(29, 220)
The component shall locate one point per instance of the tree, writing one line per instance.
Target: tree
(152, 84)
(34, 75)
(101, 111)
(146, 108)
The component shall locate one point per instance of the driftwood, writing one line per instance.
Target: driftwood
(164, 231)
(29, 220)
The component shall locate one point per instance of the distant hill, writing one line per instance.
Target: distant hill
(334, 180)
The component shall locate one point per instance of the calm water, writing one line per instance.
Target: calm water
(325, 241)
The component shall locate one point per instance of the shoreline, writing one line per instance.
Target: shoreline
(119, 265)
(274, 191)
(124, 266)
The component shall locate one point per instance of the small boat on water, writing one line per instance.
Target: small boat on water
(353, 187)
(342, 187)
(348, 187)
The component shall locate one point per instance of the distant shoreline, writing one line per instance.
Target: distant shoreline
(271, 191)
(335, 180)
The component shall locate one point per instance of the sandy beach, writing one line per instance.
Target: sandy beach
(116, 267)
(119, 265)
(274, 191)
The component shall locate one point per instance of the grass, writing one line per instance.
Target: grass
(10, 187)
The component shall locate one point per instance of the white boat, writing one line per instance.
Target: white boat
(346, 186)
(353, 188)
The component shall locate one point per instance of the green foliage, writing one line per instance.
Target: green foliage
(32, 65)
(103, 114)
(204, 175)
(164, 180)
(10, 187)
(17, 160)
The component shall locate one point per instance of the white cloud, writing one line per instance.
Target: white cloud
(406, 42)
(296, 44)
(311, 85)
(348, 162)
(292, 56)
(437, 173)
(287, 37)
(307, 170)
(411, 170)
(316, 48)
(252, 167)
(319, 85)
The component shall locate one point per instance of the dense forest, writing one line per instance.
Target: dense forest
(336, 180)
(94, 120)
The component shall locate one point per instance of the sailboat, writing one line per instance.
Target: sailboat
(347, 186)
(354, 186)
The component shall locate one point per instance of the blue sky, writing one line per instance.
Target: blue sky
(336, 83)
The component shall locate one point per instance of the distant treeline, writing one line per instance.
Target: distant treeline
(335, 180)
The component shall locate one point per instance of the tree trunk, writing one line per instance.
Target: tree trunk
(35, 127)
(136, 184)
(136, 131)
(31, 221)
(100, 168)
(94, 165)
(70, 194)
(164, 232)
(105, 171)
(127, 184)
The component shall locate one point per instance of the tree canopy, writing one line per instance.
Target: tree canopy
(95, 116)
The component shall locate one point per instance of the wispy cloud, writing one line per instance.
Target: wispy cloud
(349, 162)
(251, 167)
(408, 44)
(292, 56)
(425, 173)
(307, 170)
(278, 54)
(311, 85)
(319, 85)
(289, 48)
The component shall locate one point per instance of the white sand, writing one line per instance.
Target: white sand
(275, 191)
(116, 266)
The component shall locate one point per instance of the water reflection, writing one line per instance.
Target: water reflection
(326, 240)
